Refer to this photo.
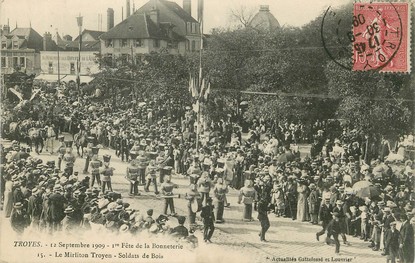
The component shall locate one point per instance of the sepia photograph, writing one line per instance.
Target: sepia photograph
(206, 131)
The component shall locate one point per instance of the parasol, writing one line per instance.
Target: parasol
(361, 184)
(368, 192)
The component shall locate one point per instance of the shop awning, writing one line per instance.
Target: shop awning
(48, 77)
(84, 79)
(64, 78)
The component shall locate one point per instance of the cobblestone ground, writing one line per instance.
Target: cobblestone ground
(288, 241)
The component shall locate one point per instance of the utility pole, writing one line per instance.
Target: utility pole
(78, 77)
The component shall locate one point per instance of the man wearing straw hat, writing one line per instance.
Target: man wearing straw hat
(392, 237)
(34, 209)
(19, 219)
(339, 208)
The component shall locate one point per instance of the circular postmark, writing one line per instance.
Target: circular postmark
(368, 40)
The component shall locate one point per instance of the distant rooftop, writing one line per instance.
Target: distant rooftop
(264, 19)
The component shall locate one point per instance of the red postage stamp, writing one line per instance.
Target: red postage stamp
(381, 37)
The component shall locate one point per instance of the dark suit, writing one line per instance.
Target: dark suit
(407, 242)
(334, 229)
(342, 218)
(263, 218)
(325, 217)
(392, 244)
(208, 219)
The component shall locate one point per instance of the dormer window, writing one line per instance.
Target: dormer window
(108, 43)
(189, 27)
(3, 45)
(15, 45)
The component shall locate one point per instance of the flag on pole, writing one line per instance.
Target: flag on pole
(190, 83)
(207, 91)
(200, 11)
(202, 88)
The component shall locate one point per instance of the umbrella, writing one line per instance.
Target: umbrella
(368, 192)
(361, 184)
(92, 108)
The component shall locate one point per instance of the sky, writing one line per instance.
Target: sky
(52, 15)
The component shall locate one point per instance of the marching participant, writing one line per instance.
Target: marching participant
(61, 150)
(95, 173)
(89, 153)
(151, 176)
(107, 172)
(167, 191)
(194, 203)
(132, 174)
(69, 158)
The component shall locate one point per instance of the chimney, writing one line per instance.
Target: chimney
(187, 6)
(127, 8)
(110, 18)
(264, 8)
(6, 29)
(154, 16)
(47, 41)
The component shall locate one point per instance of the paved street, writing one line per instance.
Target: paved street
(286, 238)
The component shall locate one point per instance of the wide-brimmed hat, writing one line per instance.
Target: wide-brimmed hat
(69, 210)
(18, 205)
(339, 202)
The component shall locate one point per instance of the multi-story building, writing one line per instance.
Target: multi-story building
(158, 24)
(20, 50)
(59, 58)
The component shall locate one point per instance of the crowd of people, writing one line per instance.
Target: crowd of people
(347, 181)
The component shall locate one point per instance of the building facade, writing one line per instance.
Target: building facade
(59, 58)
(20, 50)
(157, 25)
(67, 62)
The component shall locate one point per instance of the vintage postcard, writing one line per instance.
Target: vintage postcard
(207, 131)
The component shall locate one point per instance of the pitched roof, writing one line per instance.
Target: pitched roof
(172, 6)
(33, 38)
(178, 10)
(94, 33)
(135, 26)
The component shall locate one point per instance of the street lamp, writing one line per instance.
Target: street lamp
(78, 78)
(59, 68)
